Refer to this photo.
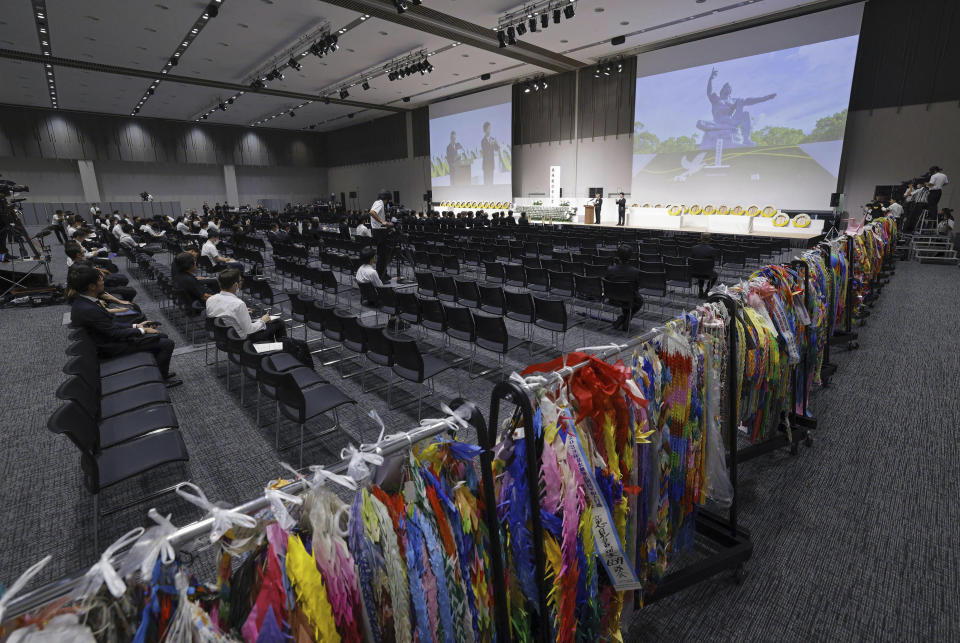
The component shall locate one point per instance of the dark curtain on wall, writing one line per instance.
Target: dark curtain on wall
(909, 54)
(382, 139)
(421, 131)
(545, 115)
(35, 133)
(606, 103)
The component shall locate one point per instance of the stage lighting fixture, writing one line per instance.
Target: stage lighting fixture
(150, 92)
(293, 63)
(223, 107)
(313, 127)
(502, 37)
(606, 70)
(596, 72)
(257, 84)
(511, 36)
(230, 101)
(430, 68)
(544, 20)
(344, 93)
(521, 28)
(213, 10)
(533, 25)
(316, 51)
(392, 76)
(620, 67)
(543, 84)
(526, 88)
(332, 42)
(204, 117)
(556, 16)
(568, 11)
(292, 113)
(174, 62)
(365, 85)
(406, 99)
(400, 5)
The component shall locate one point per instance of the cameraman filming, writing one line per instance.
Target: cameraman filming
(384, 234)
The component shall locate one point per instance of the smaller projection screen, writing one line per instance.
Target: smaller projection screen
(470, 147)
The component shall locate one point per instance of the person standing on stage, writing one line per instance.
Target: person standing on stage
(382, 234)
(489, 147)
(597, 205)
(621, 209)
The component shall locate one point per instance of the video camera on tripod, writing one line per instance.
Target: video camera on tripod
(11, 223)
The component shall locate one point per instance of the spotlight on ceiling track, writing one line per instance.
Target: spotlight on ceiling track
(521, 28)
(400, 5)
(204, 117)
(292, 113)
(511, 36)
(544, 20)
(502, 37)
(213, 10)
(174, 62)
(392, 76)
(230, 101)
(556, 16)
(223, 107)
(293, 63)
(365, 85)
(568, 11)
(344, 93)
(533, 25)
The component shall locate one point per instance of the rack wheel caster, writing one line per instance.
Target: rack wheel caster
(740, 574)
(808, 441)
(794, 448)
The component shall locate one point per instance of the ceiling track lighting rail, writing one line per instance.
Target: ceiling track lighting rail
(43, 34)
(531, 16)
(212, 10)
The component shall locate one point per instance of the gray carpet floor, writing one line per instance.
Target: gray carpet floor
(854, 538)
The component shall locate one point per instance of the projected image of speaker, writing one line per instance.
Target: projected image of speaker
(470, 147)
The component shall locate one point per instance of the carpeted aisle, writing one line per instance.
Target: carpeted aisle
(857, 537)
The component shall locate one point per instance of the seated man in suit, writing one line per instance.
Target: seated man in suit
(229, 307)
(111, 336)
(706, 276)
(184, 265)
(623, 271)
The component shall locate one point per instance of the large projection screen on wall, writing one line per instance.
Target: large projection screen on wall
(470, 147)
(753, 117)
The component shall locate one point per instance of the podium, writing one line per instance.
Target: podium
(588, 213)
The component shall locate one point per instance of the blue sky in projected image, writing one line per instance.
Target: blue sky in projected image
(811, 82)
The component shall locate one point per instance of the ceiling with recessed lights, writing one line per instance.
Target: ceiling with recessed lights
(314, 64)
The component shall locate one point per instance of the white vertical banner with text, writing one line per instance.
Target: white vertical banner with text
(555, 183)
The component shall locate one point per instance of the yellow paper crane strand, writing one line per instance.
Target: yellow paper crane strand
(311, 593)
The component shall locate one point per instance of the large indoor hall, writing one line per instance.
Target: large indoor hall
(432, 320)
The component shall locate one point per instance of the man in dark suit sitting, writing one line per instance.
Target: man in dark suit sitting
(111, 337)
(703, 272)
(623, 271)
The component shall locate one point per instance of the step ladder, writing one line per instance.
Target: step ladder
(932, 248)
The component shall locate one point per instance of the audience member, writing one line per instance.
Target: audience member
(622, 271)
(706, 277)
(228, 306)
(211, 252)
(184, 265)
(111, 336)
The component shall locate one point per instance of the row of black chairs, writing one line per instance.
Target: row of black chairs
(298, 392)
(118, 414)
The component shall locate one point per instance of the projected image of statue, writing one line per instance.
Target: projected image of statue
(731, 122)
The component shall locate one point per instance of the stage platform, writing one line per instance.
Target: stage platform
(660, 219)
